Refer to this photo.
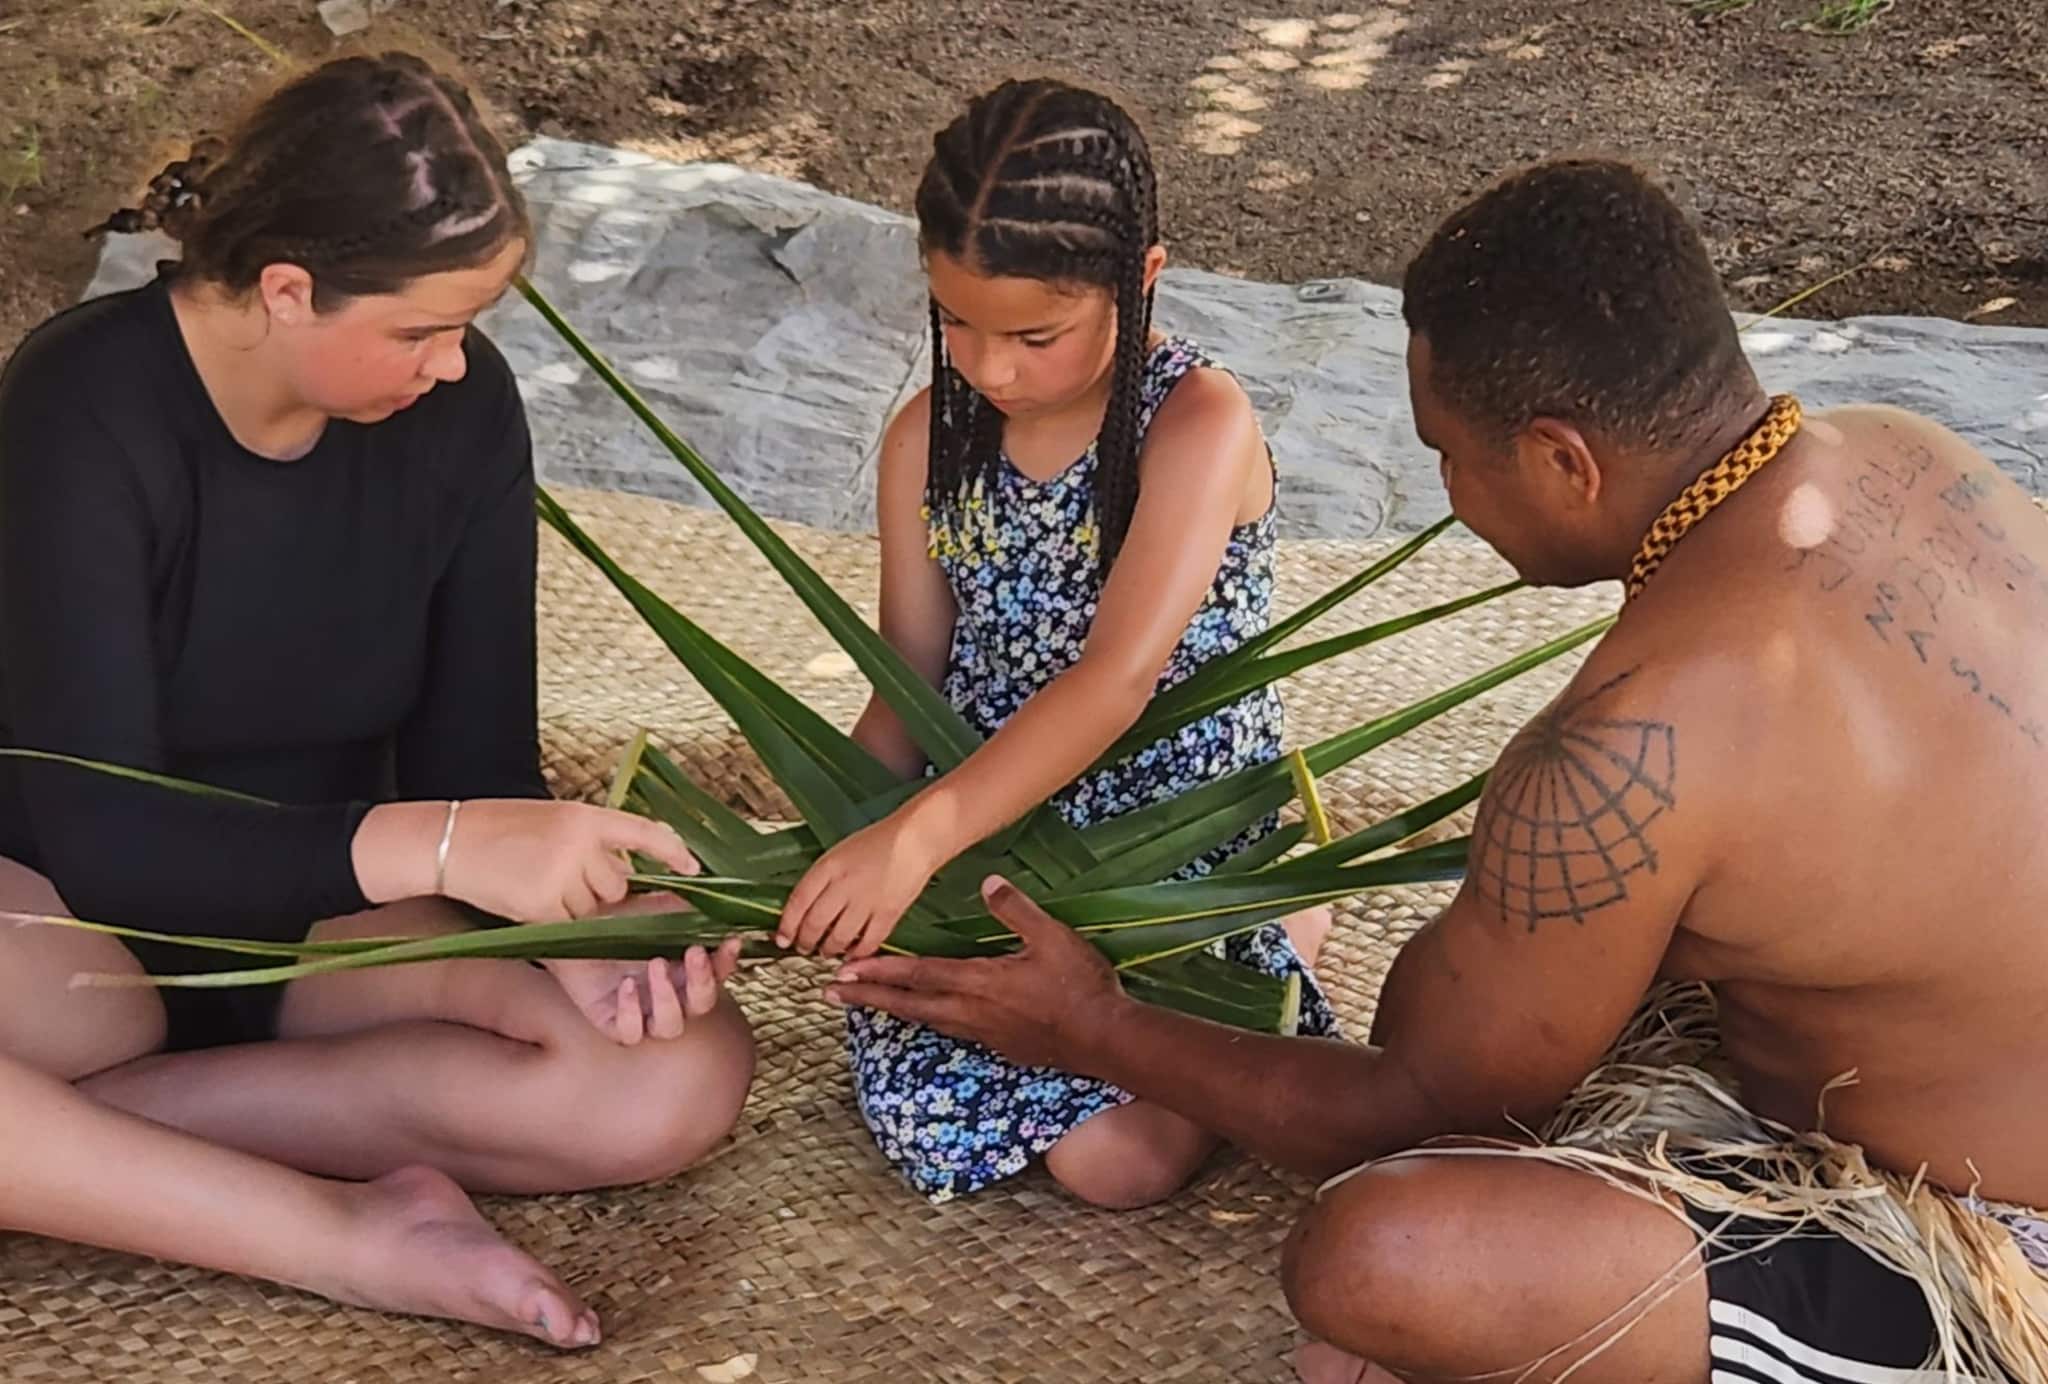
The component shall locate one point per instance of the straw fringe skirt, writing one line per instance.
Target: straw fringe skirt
(1660, 1116)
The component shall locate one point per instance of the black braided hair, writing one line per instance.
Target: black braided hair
(367, 172)
(1042, 180)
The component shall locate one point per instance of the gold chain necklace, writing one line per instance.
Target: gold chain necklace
(1715, 484)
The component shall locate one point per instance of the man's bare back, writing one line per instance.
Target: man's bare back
(1859, 638)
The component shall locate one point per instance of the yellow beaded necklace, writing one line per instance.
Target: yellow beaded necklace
(1715, 484)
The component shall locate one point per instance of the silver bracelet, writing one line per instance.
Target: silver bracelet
(441, 856)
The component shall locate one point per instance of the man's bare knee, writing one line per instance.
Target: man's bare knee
(1368, 1266)
(1455, 1265)
(646, 1113)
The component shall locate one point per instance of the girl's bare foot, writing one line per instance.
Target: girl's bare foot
(1308, 930)
(421, 1248)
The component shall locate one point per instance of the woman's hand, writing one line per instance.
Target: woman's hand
(850, 901)
(526, 859)
(627, 1001)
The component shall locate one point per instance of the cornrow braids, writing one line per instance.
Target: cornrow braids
(367, 172)
(1042, 180)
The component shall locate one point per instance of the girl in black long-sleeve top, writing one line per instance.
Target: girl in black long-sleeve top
(267, 523)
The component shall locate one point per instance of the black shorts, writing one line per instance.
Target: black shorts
(207, 1018)
(1807, 1307)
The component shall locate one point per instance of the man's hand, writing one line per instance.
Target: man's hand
(1041, 1006)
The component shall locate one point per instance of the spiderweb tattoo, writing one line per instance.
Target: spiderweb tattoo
(1566, 820)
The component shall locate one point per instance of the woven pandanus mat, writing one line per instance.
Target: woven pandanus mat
(795, 1243)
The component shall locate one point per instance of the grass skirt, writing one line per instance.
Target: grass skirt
(1660, 1119)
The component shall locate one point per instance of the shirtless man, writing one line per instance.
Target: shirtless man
(1807, 767)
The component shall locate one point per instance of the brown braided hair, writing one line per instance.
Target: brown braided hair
(1041, 180)
(367, 172)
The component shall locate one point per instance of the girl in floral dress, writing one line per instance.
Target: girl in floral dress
(1077, 514)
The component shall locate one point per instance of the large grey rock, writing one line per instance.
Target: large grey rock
(777, 327)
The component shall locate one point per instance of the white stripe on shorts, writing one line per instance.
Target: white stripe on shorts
(1764, 1352)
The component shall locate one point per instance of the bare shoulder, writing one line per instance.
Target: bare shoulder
(1881, 417)
(1625, 779)
(906, 442)
(1919, 445)
(1900, 515)
(1207, 414)
(1621, 709)
(1205, 398)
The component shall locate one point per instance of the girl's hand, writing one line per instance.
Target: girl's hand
(850, 901)
(529, 860)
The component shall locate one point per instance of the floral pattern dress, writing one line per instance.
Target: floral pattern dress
(1022, 559)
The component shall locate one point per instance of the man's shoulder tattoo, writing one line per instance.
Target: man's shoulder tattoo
(1567, 817)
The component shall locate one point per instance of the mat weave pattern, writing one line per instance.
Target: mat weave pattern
(795, 1243)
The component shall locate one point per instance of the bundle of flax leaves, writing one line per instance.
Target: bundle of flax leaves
(1105, 880)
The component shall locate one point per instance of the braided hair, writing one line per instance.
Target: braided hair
(1041, 180)
(367, 172)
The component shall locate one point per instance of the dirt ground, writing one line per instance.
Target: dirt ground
(1296, 138)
